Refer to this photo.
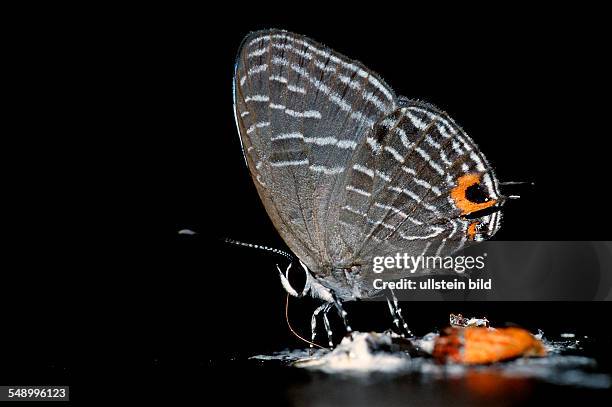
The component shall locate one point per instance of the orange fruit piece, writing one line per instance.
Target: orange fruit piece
(485, 345)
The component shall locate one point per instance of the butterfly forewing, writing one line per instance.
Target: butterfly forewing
(302, 109)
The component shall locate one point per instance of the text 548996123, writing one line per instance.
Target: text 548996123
(55, 393)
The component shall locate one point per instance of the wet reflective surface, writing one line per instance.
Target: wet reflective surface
(567, 374)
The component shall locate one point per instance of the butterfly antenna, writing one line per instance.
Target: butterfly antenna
(531, 183)
(517, 183)
(260, 247)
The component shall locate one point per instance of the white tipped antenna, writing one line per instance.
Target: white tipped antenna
(517, 183)
(260, 247)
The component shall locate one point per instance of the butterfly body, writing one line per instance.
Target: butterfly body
(347, 170)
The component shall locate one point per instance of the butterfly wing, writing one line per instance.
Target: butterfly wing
(301, 110)
(418, 185)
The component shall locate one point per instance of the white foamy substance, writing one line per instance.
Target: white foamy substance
(365, 352)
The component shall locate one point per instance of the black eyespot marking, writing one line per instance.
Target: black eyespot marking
(476, 194)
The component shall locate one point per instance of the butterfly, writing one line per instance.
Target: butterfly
(347, 170)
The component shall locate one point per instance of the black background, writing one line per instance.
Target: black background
(124, 134)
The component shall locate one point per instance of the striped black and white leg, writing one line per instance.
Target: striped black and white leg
(330, 334)
(342, 314)
(396, 314)
(313, 322)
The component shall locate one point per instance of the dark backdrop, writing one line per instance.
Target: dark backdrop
(128, 136)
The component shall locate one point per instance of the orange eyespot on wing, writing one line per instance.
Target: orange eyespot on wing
(459, 195)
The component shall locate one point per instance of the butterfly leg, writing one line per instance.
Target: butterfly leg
(327, 325)
(313, 322)
(396, 314)
(342, 314)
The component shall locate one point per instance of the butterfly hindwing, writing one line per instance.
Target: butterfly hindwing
(402, 189)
